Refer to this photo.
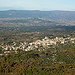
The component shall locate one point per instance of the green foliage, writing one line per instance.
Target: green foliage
(58, 60)
(42, 63)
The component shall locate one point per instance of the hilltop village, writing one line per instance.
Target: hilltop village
(39, 45)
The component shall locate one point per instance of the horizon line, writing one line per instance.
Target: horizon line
(32, 10)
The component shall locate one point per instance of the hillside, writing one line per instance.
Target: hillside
(55, 15)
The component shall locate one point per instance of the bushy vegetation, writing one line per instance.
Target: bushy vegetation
(42, 63)
(57, 60)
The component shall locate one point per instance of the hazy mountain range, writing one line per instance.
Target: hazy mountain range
(54, 15)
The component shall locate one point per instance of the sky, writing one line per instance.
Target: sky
(44, 5)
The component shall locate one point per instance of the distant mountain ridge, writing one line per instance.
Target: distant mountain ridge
(54, 15)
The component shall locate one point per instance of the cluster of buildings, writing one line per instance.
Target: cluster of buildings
(36, 45)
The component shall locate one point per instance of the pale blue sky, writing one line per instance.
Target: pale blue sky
(37, 5)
